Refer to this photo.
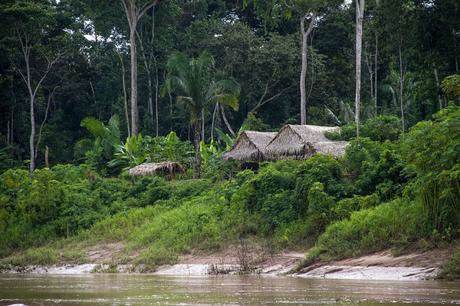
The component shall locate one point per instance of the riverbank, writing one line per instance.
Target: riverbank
(378, 266)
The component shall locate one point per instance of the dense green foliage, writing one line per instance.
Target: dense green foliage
(452, 269)
(372, 199)
(257, 45)
(393, 224)
(207, 71)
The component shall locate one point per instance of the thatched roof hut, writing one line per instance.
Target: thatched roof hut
(168, 167)
(302, 141)
(250, 146)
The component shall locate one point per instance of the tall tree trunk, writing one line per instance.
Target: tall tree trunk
(202, 125)
(150, 90)
(401, 87)
(47, 161)
(157, 119)
(376, 68)
(134, 12)
(12, 127)
(8, 133)
(152, 56)
(148, 70)
(170, 106)
(196, 142)
(213, 120)
(359, 42)
(42, 125)
(11, 135)
(455, 49)
(436, 78)
(125, 95)
(32, 135)
(224, 117)
(370, 69)
(134, 109)
(32, 89)
(305, 33)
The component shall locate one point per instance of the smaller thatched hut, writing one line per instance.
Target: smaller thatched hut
(250, 146)
(302, 141)
(167, 168)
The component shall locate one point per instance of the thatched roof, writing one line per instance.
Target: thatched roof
(154, 168)
(250, 146)
(302, 141)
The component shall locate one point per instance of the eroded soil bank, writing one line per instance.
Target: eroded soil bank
(378, 266)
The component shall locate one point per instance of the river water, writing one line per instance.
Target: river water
(122, 289)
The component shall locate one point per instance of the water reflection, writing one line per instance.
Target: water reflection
(117, 289)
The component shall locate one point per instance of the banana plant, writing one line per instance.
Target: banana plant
(106, 138)
(129, 154)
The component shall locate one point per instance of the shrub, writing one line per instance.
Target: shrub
(379, 128)
(346, 207)
(451, 270)
(392, 224)
(267, 196)
(320, 208)
(382, 128)
(320, 168)
(432, 153)
(53, 203)
(374, 166)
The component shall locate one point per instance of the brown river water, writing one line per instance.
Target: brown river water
(123, 289)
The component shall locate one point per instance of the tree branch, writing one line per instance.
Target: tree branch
(229, 127)
(310, 26)
(48, 69)
(145, 8)
(270, 99)
(44, 120)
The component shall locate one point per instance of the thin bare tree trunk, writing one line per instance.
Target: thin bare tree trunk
(367, 59)
(312, 78)
(157, 120)
(455, 49)
(125, 95)
(196, 142)
(150, 90)
(47, 162)
(133, 15)
(376, 68)
(43, 122)
(12, 127)
(11, 135)
(26, 48)
(303, 72)
(213, 120)
(134, 109)
(436, 78)
(359, 42)
(32, 135)
(229, 127)
(152, 56)
(8, 133)
(202, 125)
(148, 66)
(401, 87)
(170, 106)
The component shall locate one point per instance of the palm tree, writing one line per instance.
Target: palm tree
(197, 85)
